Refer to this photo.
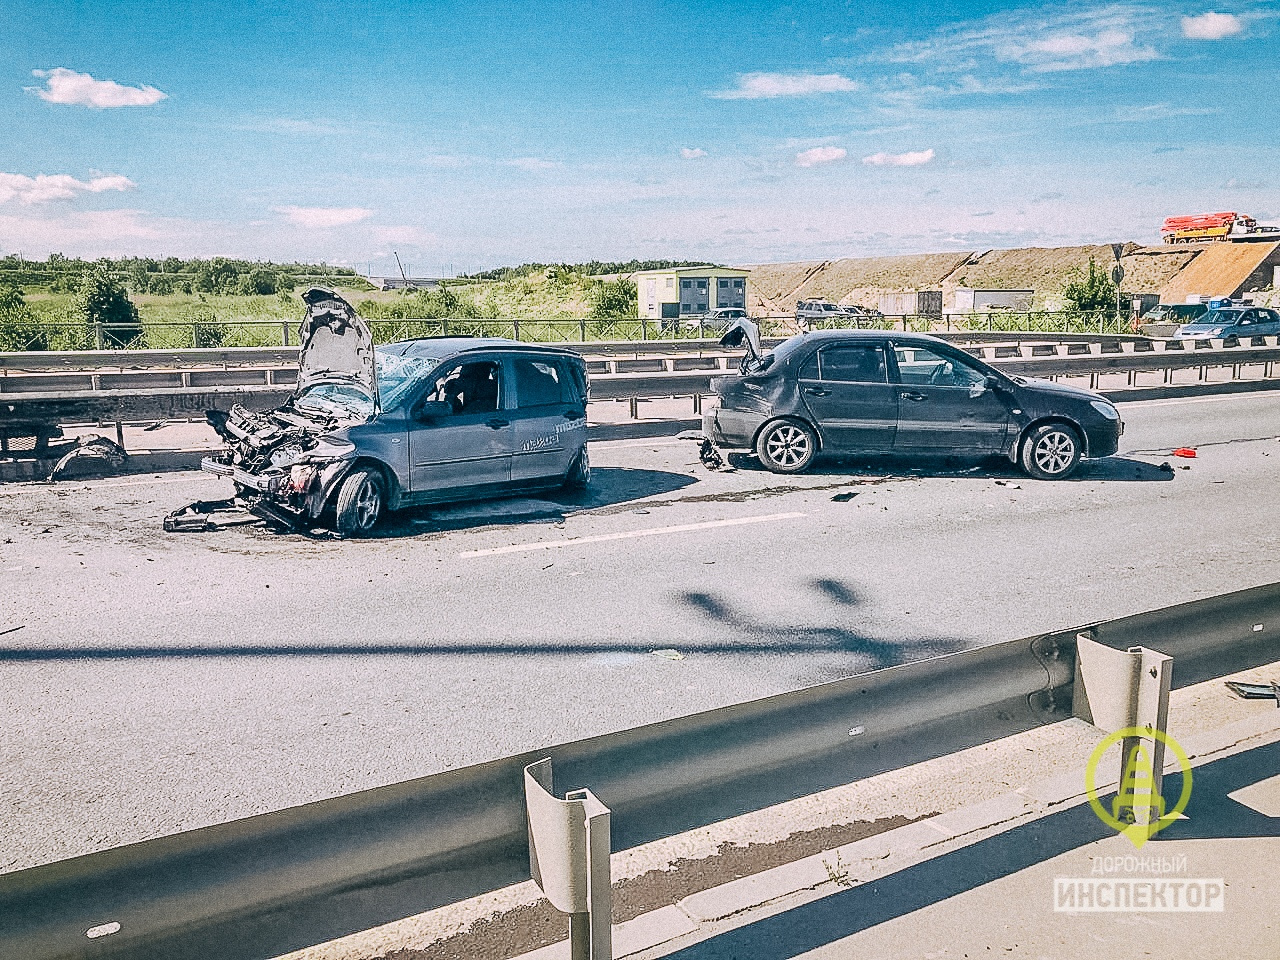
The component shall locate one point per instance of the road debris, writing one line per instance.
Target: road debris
(668, 654)
(711, 458)
(12, 629)
(1255, 691)
(206, 515)
(1009, 483)
(844, 497)
(1188, 452)
(94, 448)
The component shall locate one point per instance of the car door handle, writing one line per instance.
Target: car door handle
(911, 395)
(497, 424)
(816, 392)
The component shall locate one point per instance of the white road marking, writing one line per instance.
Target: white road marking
(1216, 398)
(628, 535)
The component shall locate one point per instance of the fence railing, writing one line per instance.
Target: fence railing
(50, 334)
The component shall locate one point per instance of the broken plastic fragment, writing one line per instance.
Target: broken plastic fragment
(1255, 691)
(1188, 452)
(668, 654)
(99, 448)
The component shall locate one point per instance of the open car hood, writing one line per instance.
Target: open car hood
(337, 346)
(744, 332)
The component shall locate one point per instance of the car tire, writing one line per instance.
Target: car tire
(360, 503)
(1051, 451)
(579, 475)
(787, 446)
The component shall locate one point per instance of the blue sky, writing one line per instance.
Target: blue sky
(472, 135)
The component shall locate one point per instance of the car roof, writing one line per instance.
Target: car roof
(442, 348)
(898, 336)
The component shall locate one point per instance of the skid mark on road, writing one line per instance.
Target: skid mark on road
(628, 535)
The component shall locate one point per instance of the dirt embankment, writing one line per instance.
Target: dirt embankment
(775, 287)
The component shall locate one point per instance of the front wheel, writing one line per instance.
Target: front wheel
(787, 446)
(579, 475)
(360, 502)
(1051, 452)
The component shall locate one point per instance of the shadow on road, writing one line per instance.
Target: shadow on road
(837, 636)
(820, 923)
(984, 468)
(610, 486)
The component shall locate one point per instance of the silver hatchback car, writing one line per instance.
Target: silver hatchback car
(438, 419)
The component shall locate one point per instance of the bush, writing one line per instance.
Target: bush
(102, 300)
(206, 331)
(1091, 293)
(19, 328)
(616, 300)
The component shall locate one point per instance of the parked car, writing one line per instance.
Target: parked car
(809, 311)
(1175, 313)
(876, 391)
(1231, 324)
(437, 419)
(717, 321)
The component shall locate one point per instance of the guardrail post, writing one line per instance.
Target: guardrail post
(284, 328)
(1124, 689)
(582, 329)
(569, 845)
(515, 329)
(97, 334)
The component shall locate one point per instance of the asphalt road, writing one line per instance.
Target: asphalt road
(160, 682)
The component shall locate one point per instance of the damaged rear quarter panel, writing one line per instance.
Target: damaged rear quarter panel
(748, 402)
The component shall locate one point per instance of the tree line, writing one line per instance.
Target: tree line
(217, 275)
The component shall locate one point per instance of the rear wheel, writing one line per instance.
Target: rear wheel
(787, 446)
(1051, 452)
(360, 502)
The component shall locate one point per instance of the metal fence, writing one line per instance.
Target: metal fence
(62, 334)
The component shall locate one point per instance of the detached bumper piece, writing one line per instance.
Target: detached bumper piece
(1255, 691)
(205, 515)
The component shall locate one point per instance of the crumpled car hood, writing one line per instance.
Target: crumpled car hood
(337, 346)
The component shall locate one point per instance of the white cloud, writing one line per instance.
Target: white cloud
(323, 218)
(1211, 26)
(819, 155)
(909, 159)
(67, 86)
(532, 163)
(692, 153)
(43, 188)
(757, 86)
(1044, 41)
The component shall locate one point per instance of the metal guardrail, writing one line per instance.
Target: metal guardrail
(151, 394)
(268, 884)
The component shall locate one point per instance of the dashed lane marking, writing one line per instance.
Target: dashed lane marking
(628, 535)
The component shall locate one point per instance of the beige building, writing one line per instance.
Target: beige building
(689, 291)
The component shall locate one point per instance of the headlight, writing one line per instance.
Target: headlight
(331, 448)
(1106, 409)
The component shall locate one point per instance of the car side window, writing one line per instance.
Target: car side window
(854, 363)
(471, 387)
(923, 366)
(809, 370)
(539, 383)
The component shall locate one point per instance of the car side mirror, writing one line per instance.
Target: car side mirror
(430, 410)
(978, 389)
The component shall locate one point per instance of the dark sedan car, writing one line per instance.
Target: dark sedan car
(876, 391)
